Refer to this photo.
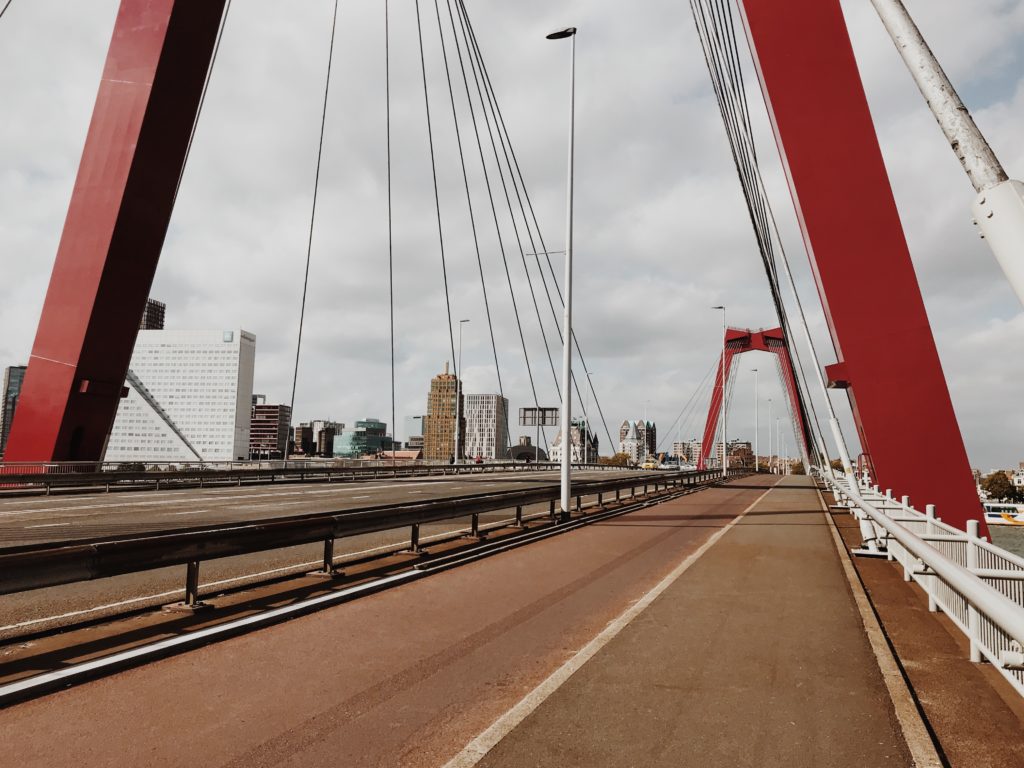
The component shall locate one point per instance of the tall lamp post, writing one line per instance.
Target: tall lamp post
(757, 463)
(725, 409)
(458, 395)
(568, 32)
(769, 434)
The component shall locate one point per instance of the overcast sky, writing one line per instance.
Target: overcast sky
(661, 229)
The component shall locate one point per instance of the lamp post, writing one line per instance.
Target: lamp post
(778, 445)
(568, 32)
(586, 420)
(757, 464)
(769, 434)
(458, 395)
(725, 409)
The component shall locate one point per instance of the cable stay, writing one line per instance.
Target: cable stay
(202, 97)
(717, 32)
(490, 195)
(312, 216)
(518, 179)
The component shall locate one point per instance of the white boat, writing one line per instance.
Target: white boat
(1003, 513)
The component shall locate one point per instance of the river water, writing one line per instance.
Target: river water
(1009, 538)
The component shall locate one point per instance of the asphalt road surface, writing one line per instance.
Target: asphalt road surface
(53, 519)
(409, 676)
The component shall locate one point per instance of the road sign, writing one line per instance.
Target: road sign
(538, 417)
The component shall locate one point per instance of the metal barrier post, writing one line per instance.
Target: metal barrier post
(972, 612)
(474, 530)
(519, 516)
(414, 540)
(328, 568)
(192, 584)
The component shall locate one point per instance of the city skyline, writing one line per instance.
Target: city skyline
(681, 261)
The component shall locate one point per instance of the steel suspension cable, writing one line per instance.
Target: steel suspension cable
(716, 31)
(4, 9)
(437, 196)
(487, 181)
(701, 386)
(202, 97)
(469, 199)
(544, 250)
(312, 217)
(391, 237)
(492, 105)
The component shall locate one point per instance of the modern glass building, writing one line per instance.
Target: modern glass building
(366, 438)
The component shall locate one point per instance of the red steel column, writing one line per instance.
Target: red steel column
(859, 253)
(120, 209)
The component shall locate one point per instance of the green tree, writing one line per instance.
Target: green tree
(837, 465)
(798, 468)
(998, 487)
(618, 460)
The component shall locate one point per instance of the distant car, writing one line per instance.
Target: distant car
(649, 464)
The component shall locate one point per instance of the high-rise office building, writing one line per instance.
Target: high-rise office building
(189, 398)
(153, 316)
(439, 425)
(13, 377)
(268, 429)
(486, 426)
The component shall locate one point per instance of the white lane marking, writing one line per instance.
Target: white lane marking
(360, 497)
(47, 525)
(223, 497)
(274, 504)
(220, 583)
(475, 751)
(190, 512)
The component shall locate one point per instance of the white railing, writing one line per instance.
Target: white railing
(978, 585)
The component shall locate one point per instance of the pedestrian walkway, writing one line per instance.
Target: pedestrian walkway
(755, 656)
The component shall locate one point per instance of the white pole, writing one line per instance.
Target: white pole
(458, 394)
(769, 434)
(999, 208)
(725, 405)
(585, 435)
(566, 472)
(756, 422)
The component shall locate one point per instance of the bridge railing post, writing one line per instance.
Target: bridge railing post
(973, 620)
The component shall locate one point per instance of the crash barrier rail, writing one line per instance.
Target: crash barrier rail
(43, 479)
(978, 585)
(36, 566)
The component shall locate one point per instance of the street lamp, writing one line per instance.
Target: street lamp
(458, 394)
(568, 32)
(586, 420)
(769, 434)
(757, 463)
(725, 443)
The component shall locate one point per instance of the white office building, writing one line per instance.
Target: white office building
(486, 426)
(189, 398)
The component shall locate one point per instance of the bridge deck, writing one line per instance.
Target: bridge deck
(754, 655)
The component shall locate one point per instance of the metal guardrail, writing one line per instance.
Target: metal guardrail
(978, 585)
(46, 565)
(26, 479)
